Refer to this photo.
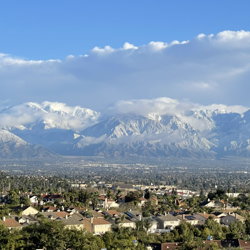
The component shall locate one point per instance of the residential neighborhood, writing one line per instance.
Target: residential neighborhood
(159, 212)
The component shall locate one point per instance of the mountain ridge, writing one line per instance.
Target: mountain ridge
(66, 130)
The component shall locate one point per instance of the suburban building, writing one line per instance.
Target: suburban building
(229, 218)
(124, 187)
(95, 214)
(26, 210)
(142, 201)
(222, 244)
(167, 221)
(33, 199)
(107, 203)
(49, 208)
(10, 223)
(97, 225)
(122, 223)
(112, 213)
(189, 219)
(136, 215)
(202, 217)
(52, 198)
(74, 221)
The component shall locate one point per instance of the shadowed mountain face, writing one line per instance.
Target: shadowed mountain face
(11, 147)
(78, 131)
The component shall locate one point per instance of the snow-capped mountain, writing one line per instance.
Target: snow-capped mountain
(11, 146)
(48, 115)
(46, 123)
(131, 135)
(200, 133)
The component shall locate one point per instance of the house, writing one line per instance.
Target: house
(220, 214)
(216, 204)
(222, 244)
(154, 225)
(73, 209)
(124, 187)
(167, 221)
(97, 225)
(55, 215)
(26, 210)
(107, 203)
(121, 199)
(33, 199)
(142, 201)
(62, 214)
(229, 218)
(207, 203)
(26, 220)
(202, 217)
(73, 222)
(112, 213)
(95, 214)
(52, 198)
(10, 223)
(135, 215)
(189, 219)
(165, 246)
(122, 223)
(49, 208)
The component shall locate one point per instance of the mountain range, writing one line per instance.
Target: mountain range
(49, 129)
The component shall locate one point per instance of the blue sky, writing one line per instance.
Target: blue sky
(41, 30)
(101, 53)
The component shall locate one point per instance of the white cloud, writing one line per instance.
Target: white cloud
(52, 114)
(206, 69)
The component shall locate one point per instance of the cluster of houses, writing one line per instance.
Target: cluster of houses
(101, 220)
(107, 215)
(157, 190)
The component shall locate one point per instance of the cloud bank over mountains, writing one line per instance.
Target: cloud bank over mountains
(206, 69)
(63, 116)
(161, 127)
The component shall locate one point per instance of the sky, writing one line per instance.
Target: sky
(97, 53)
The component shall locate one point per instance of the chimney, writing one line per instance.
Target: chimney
(91, 220)
(139, 217)
(165, 213)
(3, 218)
(204, 212)
(62, 208)
(27, 221)
(22, 205)
(54, 205)
(235, 215)
(183, 216)
(66, 217)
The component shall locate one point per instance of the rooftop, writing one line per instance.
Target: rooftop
(9, 222)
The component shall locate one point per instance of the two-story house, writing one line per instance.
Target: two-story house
(97, 225)
(167, 221)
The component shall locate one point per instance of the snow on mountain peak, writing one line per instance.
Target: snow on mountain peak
(48, 115)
